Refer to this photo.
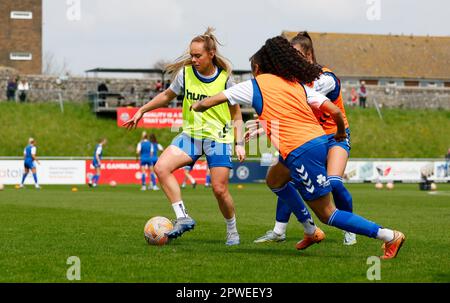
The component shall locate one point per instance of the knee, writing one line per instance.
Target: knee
(220, 189)
(272, 182)
(160, 170)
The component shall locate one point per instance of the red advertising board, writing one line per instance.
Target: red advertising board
(158, 118)
(129, 172)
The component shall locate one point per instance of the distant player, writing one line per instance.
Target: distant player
(143, 152)
(208, 177)
(280, 100)
(155, 147)
(97, 162)
(187, 176)
(30, 160)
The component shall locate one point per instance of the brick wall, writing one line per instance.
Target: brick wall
(21, 35)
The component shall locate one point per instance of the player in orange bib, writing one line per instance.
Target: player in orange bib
(338, 152)
(280, 100)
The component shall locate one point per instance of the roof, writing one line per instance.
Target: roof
(125, 70)
(382, 56)
(145, 70)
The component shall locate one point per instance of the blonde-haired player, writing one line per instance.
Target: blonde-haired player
(30, 160)
(199, 73)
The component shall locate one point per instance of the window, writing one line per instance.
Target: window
(370, 81)
(411, 83)
(21, 15)
(21, 56)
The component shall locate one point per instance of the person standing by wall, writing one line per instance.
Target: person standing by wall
(362, 93)
(11, 89)
(23, 89)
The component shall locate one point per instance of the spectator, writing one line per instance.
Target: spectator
(362, 94)
(167, 85)
(158, 86)
(102, 90)
(11, 89)
(23, 89)
(353, 97)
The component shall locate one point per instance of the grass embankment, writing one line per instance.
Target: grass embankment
(402, 133)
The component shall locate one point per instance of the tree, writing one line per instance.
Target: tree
(53, 67)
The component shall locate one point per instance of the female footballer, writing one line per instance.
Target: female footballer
(199, 73)
(280, 100)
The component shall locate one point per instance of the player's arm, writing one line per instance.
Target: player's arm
(209, 102)
(161, 100)
(33, 156)
(335, 112)
(319, 102)
(97, 155)
(138, 151)
(326, 84)
(241, 93)
(236, 116)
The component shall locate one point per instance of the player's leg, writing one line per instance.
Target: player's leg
(191, 179)
(277, 176)
(336, 163)
(96, 177)
(185, 177)
(219, 184)
(218, 156)
(289, 200)
(24, 176)
(143, 176)
(183, 151)
(153, 176)
(36, 183)
(208, 177)
(319, 199)
(329, 214)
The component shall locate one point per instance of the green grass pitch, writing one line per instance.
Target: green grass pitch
(104, 228)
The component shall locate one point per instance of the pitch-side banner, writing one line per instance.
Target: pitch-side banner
(158, 118)
(48, 172)
(406, 171)
(129, 172)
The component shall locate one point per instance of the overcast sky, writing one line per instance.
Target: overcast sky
(137, 33)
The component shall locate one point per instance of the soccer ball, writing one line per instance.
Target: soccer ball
(379, 185)
(113, 183)
(433, 186)
(390, 185)
(155, 230)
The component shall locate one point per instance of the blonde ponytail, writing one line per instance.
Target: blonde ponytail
(210, 43)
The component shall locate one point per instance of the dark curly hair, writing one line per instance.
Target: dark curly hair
(280, 58)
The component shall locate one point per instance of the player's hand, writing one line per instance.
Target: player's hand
(240, 152)
(252, 124)
(133, 122)
(340, 136)
(198, 107)
(251, 134)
